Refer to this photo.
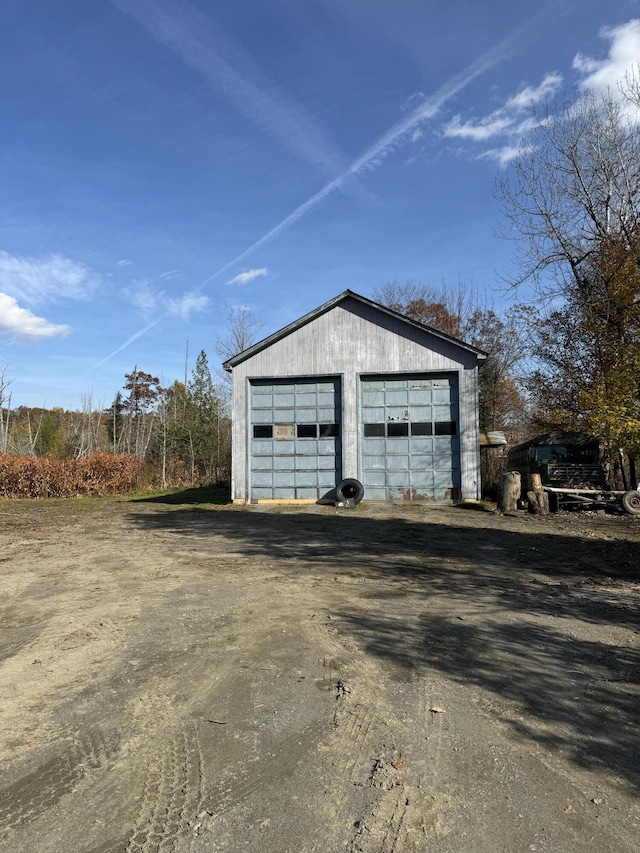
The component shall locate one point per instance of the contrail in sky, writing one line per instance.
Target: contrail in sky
(373, 156)
(202, 45)
(133, 338)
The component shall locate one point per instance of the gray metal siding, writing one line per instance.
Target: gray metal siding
(294, 453)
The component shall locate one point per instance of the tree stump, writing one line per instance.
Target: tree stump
(537, 498)
(509, 491)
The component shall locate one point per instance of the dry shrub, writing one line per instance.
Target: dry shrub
(46, 477)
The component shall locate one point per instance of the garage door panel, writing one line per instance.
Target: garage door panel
(263, 479)
(441, 414)
(281, 494)
(375, 463)
(422, 480)
(397, 463)
(263, 401)
(408, 427)
(396, 478)
(395, 446)
(420, 413)
(326, 415)
(306, 478)
(326, 480)
(326, 399)
(375, 414)
(260, 494)
(304, 462)
(373, 398)
(376, 493)
(397, 398)
(422, 445)
(422, 461)
(284, 401)
(326, 463)
(262, 463)
(442, 481)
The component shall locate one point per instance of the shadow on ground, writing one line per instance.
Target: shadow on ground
(545, 621)
(218, 495)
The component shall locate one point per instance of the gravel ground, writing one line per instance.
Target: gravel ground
(191, 677)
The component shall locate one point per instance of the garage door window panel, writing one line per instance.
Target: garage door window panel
(306, 430)
(397, 429)
(329, 430)
(420, 429)
(375, 430)
(445, 428)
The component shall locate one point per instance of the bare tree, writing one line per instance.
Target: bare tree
(446, 308)
(5, 410)
(575, 189)
(86, 428)
(242, 332)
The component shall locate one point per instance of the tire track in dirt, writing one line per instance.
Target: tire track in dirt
(257, 776)
(172, 790)
(392, 758)
(36, 792)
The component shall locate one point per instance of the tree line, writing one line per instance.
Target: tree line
(183, 431)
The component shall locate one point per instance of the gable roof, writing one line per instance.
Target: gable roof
(332, 303)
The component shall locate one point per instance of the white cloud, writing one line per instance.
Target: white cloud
(507, 121)
(23, 323)
(53, 277)
(248, 275)
(142, 296)
(502, 155)
(530, 96)
(124, 263)
(169, 275)
(508, 125)
(149, 301)
(624, 56)
(188, 304)
(495, 124)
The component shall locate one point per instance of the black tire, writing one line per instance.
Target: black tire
(349, 490)
(631, 502)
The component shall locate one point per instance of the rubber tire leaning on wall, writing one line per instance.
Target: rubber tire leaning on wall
(349, 490)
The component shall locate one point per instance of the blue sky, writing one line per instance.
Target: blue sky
(162, 161)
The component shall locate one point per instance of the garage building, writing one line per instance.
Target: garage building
(354, 389)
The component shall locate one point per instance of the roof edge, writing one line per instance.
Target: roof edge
(232, 362)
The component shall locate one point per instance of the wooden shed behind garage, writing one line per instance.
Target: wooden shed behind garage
(354, 389)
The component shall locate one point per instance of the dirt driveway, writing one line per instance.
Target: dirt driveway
(177, 677)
